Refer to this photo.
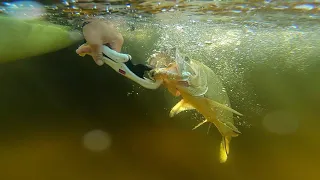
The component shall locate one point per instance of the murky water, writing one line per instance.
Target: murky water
(63, 117)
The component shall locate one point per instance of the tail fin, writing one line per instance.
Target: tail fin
(224, 148)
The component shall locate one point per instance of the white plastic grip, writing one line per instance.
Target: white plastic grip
(114, 55)
(118, 65)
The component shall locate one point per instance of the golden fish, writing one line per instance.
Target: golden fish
(198, 86)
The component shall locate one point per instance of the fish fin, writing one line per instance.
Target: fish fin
(216, 104)
(179, 107)
(200, 124)
(224, 148)
(221, 124)
(82, 54)
(173, 91)
(233, 127)
(229, 125)
(209, 128)
(177, 93)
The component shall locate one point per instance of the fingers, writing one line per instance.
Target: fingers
(92, 34)
(84, 49)
(98, 59)
(98, 33)
(117, 43)
(91, 50)
(97, 54)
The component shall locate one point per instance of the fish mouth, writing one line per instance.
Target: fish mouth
(151, 74)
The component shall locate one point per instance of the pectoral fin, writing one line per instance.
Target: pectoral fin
(173, 91)
(179, 107)
(216, 104)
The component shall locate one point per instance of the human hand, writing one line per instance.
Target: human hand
(97, 33)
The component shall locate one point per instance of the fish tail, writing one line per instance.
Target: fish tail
(224, 148)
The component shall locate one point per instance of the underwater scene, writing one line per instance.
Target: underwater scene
(159, 90)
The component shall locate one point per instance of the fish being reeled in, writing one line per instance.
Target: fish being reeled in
(201, 90)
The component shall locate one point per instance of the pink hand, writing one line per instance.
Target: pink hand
(87, 49)
(84, 49)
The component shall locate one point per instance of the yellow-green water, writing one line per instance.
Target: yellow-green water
(52, 106)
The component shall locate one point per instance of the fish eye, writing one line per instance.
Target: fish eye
(152, 73)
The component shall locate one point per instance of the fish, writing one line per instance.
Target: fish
(200, 89)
